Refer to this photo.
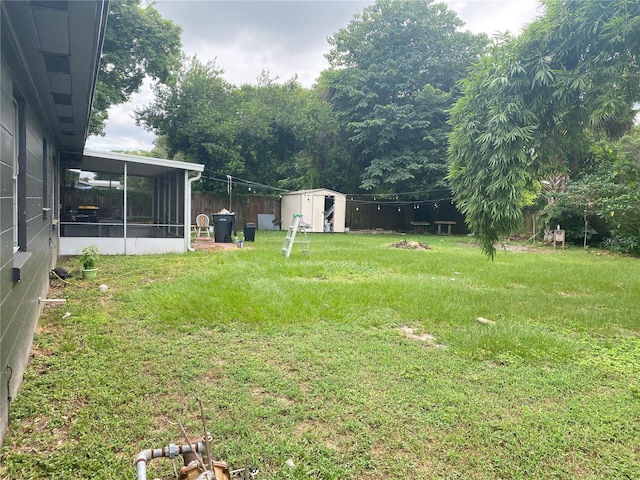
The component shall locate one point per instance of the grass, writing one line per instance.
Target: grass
(306, 359)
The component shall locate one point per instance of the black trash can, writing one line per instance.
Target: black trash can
(249, 232)
(223, 227)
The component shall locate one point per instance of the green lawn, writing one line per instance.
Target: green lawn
(321, 360)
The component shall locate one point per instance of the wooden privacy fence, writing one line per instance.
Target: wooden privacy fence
(359, 216)
(363, 213)
(246, 207)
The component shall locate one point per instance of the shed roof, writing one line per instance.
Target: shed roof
(316, 190)
(112, 162)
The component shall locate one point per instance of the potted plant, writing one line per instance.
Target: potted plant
(88, 260)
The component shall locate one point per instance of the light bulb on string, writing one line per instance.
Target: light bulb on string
(378, 207)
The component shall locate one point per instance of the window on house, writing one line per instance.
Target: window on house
(45, 174)
(16, 171)
(54, 194)
(19, 176)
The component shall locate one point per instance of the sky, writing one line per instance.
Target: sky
(285, 38)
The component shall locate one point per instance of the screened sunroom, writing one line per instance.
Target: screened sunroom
(126, 204)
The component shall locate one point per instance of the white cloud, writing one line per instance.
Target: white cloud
(496, 16)
(121, 132)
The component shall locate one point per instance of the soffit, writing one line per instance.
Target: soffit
(57, 46)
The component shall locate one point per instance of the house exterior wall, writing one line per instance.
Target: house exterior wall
(19, 305)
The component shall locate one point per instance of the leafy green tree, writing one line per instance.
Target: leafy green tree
(273, 130)
(138, 43)
(529, 103)
(394, 74)
(276, 134)
(613, 191)
(289, 136)
(197, 117)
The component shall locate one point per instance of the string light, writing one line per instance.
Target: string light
(393, 199)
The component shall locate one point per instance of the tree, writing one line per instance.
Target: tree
(273, 131)
(618, 199)
(527, 105)
(197, 116)
(394, 74)
(275, 134)
(138, 43)
(613, 190)
(289, 136)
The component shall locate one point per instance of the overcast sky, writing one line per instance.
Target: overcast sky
(285, 38)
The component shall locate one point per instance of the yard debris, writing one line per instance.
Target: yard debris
(485, 321)
(411, 245)
(103, 288)
(429, 339)
(52, 301)
(61, 274)
(375, 231)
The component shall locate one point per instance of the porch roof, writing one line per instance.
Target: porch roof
(112, 162)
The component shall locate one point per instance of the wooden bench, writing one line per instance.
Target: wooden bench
(448, 223)
(417, 226)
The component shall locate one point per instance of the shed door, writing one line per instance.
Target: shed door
(317, 213)
(340, 209)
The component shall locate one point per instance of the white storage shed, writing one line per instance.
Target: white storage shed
(323, 209)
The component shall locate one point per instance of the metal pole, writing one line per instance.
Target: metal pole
(125, 208)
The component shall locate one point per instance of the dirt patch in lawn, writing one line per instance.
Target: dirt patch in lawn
(414, 334)
(515, 247)
(211, 245)
(411, 245)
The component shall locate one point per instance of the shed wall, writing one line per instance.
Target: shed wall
(311, 204)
